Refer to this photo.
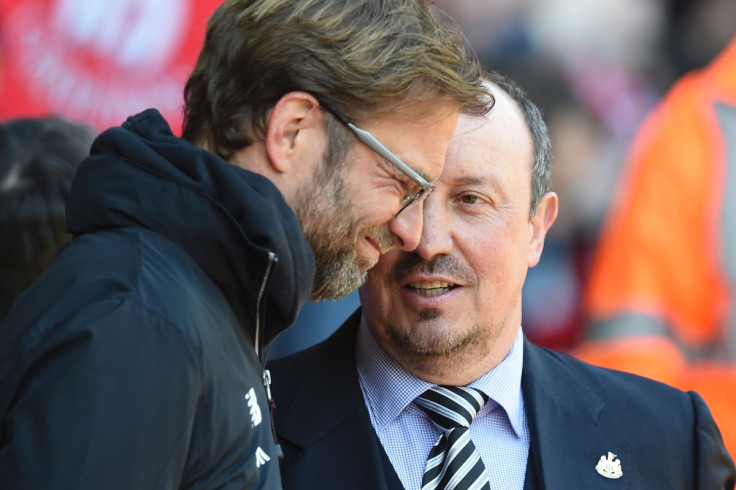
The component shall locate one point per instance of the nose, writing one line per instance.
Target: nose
(436, 238)
(407, 227)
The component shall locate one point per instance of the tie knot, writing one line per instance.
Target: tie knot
(451, 406)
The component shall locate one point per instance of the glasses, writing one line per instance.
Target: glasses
(425, 187)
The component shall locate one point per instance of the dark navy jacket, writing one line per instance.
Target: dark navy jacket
(665, 439)
(130, 363)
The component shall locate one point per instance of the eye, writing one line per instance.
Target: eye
(409, 188)
(470, 199)
(407, 199)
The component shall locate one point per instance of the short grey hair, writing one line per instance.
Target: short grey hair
(542, 165)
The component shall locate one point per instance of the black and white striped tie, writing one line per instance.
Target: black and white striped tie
(453, 462)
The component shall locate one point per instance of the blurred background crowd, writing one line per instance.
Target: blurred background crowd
(596, 69)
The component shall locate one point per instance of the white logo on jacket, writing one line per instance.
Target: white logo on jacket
(255, 410)
(609, 467)
(261, 457)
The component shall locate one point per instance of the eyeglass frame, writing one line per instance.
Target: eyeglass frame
(425, 187)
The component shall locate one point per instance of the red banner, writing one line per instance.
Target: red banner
(98, 62)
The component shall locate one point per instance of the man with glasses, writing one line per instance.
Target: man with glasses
(133, 362)
(411, 198)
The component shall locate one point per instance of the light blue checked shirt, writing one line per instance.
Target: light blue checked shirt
(499, 431)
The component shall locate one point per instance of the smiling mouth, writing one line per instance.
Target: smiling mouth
(430, 288)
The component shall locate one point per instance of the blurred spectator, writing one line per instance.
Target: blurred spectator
(38, 158)
(697, 30)
(662, 292)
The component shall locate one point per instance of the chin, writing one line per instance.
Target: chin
(429, 342)
(338, 282)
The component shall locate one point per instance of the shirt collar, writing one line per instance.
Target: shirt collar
(389, 388)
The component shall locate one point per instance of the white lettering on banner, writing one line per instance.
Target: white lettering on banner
(100, 61)
(129, 31)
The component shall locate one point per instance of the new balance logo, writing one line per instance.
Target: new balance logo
(255, 410)
(261, 457)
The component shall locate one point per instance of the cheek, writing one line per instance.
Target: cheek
(378, 276)
(502, 273)
(373, 207)
(377, 287)
(373, 194)
(496, 258)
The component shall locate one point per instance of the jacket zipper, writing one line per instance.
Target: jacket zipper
(272, 260)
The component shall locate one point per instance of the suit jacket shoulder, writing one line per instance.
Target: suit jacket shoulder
(321, 419)
(662, 437)
(578, 413)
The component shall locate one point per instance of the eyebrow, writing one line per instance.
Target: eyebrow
(470, 181)
(489, 181)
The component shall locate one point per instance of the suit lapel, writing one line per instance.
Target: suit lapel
(327, 394)
(332, 425)
(563, 417)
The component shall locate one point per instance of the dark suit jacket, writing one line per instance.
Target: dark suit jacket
(664, 438)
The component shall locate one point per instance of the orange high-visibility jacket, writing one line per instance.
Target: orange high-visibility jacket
(661, 295)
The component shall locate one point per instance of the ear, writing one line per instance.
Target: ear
(295, 130)
(541, 222)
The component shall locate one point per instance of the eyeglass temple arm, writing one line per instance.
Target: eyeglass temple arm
(378, 147)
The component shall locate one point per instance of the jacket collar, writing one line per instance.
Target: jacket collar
(234, 223)
(337, 391)
(563, 415)
(332, 410)
(566, 442)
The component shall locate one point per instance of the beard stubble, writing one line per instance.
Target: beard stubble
(328, 218)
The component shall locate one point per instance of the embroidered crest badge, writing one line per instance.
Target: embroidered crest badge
(609, 467)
